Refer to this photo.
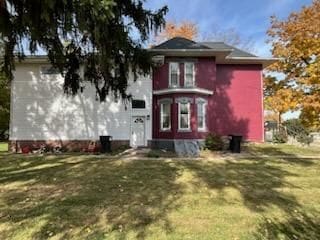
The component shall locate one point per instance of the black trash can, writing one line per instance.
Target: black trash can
(230, 142)
(105, 142)
(235, 143)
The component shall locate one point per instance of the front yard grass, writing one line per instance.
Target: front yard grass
(91, 197)
(281, 149)
(3, 146)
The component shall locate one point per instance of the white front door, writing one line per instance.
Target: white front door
(138, 131)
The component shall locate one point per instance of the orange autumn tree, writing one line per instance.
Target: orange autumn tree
(296, 41)
(185, 29)
(279, 97)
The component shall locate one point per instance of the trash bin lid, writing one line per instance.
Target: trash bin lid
(239, 137)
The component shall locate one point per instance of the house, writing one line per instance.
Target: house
(196, 88)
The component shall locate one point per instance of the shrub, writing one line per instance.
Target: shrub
(153, 154)
(213, 142)
(280, 136)
(296, 129)
(304, 139)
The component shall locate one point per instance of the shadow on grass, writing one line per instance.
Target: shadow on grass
(257, 182)
(298, 225)
(279, 150)
(94, 197)
(260, 182)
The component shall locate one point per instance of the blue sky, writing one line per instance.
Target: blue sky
(250, 18)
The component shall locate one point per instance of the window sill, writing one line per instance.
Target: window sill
(202, 130)
(165, 130)
(183, 90)
(184, 130)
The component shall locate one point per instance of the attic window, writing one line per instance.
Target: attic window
(49, 70)
(138, 104)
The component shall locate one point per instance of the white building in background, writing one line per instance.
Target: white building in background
(42, 114)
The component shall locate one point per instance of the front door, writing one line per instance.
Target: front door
(138, 132)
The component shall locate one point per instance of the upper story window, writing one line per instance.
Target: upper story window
(138, 104)
(189, 74)
(165, 116)
(174, 74)
(184, 116)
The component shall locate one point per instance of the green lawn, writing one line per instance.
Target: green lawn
(3, 146)
(88, 197)
(281, 149)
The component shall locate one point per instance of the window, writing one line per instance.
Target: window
(184, 116)
(138, 104)
(189, 74)
(174, 74)
(201, 111)
(49, 70)
(165, 116)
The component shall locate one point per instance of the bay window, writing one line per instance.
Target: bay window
(201, 116)
(165, 116)
(184, 116)
(201, 113)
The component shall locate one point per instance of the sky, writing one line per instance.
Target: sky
(250, 18)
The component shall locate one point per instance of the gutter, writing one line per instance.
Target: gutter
(190, 50)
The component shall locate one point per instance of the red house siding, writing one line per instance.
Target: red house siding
(234, 108)
(205, 73)
(174, 133)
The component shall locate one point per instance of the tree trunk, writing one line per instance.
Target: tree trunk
(279, 120)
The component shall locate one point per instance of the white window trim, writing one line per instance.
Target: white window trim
(204, 107)
(183, 90)
(170, 83)
(185, 75)
(161, 119)
(189, 117)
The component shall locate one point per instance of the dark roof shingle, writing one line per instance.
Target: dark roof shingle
(183, 43)
(236, 52)
(180, 43)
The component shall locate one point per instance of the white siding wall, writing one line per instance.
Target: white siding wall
(40, 110)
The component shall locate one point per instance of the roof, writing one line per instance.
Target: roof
(181, 47)
(224, 53)
(183, 43)
(180, 43)
(236, 52)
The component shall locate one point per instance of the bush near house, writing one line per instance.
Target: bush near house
(214, 142)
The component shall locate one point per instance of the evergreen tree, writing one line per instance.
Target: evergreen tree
(96, 34)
